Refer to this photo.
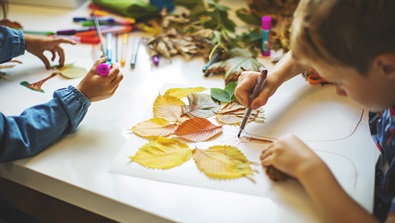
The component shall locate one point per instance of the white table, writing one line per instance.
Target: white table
(76, 169)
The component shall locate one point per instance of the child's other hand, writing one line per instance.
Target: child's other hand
(96, 87)
(291, 156)
(246, 83)
(37, 45)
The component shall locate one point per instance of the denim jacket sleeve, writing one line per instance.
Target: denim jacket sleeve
(37, 127)
(12, 43)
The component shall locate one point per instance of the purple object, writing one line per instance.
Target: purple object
(266, 22)
(266, 27)
(103, 69)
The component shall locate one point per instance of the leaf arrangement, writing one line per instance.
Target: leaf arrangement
(183, 114)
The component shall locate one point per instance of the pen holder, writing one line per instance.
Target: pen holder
(103, 69)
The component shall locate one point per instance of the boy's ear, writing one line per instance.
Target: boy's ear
(385, 65)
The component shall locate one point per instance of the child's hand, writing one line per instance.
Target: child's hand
(37, 45)
(246, 83)
(96, 87)
(291, 156)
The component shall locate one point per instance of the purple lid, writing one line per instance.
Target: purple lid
(266, 22)
(103, 69)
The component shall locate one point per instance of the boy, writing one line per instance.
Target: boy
(352, 45)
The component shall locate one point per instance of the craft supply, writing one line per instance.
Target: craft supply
(119, 18)
(109, 47)
(44, 33)
(98, 33)
(125, 39)
(83, 39)
(255, 92)
(153, 56)
(213, 60)
(116, 48)
(266, 27)
(120, 21)
(134, 53)
(74, 31)
(104, 68)
(113, 29)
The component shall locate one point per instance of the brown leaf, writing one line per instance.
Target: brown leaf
(198, 130)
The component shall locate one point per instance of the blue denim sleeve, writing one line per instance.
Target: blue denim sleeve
(12, 43)
(39, 126)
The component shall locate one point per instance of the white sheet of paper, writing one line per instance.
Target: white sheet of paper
(305, 117)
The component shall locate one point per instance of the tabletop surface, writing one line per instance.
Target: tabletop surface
(85, 168)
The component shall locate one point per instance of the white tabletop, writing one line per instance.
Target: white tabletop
(77, 168)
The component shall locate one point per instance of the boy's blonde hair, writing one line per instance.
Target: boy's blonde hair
(343, 32)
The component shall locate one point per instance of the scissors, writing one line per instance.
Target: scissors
(255, 92)
(314, 78)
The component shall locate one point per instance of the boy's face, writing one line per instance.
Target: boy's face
(370, 91)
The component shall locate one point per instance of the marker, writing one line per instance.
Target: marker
(100, 12)
(83, 39)
(154, 58)
(43, 33)
(114, 30)
(125, 38)
(109, 47)
(134, 54)
(104, 68)
(266, 27)
(74, 31)
(213, 60)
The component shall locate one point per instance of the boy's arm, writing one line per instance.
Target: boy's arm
(40, 126)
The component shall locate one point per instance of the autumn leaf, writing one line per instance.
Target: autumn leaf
(232, 113)
(222, 162)
(224, 95)
(183, 92)
(154, 127)
(198, 130)
(162, 153)
(70, 71)
(169, 108)
(201, 105)
(232, 67)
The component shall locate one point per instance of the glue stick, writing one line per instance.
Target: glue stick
(266, 27)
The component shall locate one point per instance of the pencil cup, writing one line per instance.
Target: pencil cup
(160, 4)
(103, 69)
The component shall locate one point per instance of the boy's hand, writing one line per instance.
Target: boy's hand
(96, 87)
(246, 83)
(290, 156)
(37, 45)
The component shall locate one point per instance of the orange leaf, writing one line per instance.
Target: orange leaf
(198, 130)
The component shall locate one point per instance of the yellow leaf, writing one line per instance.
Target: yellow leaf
(222, 162)
(183, 92)
(198, 130)
(169, 108)
(154, 127)
(162, 153)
